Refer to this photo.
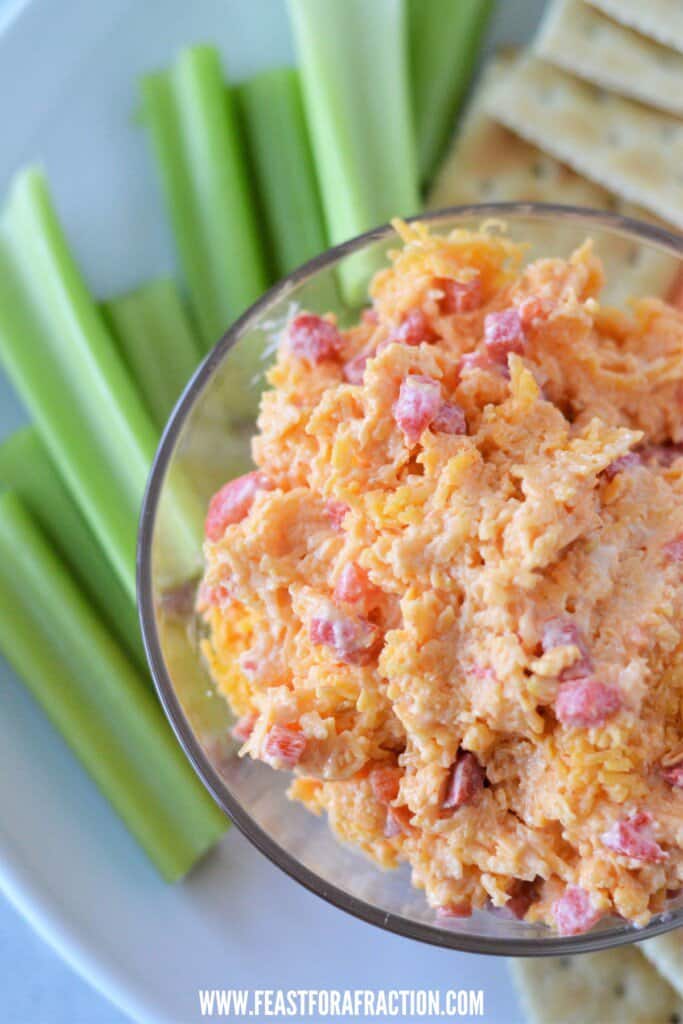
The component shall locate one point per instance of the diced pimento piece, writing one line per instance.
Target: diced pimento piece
(244, 726)
(504, 333)
(450, 911)
(477, 360)
(562, 631)
(673, 549)
(673, 775)
(353, 585)
(314, 339)
(522, 895)
(233, 502)
(336, 510)
(354, 370)
(582, 703)
(283, 747)
(353, 640)
(450, 419)
(465, 780)
(413, 330)
(574, 912)
(385, 781)
(633, 837)
(459, 296)
(418, 402)
(622, 465)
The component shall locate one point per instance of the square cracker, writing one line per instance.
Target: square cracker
(489, 163)
(618, 986)
(660, 19)
(578, 38)
(623, 146)
(666, 953)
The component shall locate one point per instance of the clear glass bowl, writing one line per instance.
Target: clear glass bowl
(206, 443)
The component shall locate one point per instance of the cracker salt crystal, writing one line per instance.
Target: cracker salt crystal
(580, 39)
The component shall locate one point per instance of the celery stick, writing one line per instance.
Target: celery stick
(445, 37)
(158, 343)
(353, 59)
(26, 468)
(273, 116)
(61, 358)
(97, 700)
(200, 155)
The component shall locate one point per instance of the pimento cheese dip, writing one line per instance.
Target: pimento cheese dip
(450, 597)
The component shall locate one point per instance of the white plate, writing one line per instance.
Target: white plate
(67, 75)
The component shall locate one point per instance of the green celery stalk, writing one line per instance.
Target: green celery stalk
(272, 112)
(97, 700)
(354, 71)
(26, 468)
(445, 37)
(61, 358)
(199, 151)
(157, 341)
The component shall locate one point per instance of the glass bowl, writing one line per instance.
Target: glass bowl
(206, 442)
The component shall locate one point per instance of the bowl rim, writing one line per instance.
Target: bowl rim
(552, 946)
